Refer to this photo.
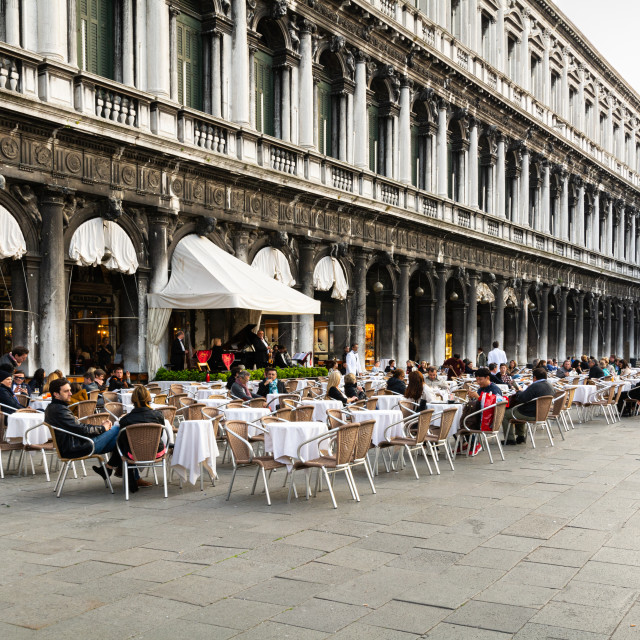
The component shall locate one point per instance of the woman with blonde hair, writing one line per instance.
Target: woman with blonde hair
(333, 392)
(54, 375)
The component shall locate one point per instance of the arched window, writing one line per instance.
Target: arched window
(374, 135)
(189, 50)
(263, 74)
(381, 136)
(96, 39)
(331, 107)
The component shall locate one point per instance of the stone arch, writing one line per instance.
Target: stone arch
(191, 228)
(273, 32)
(26, 213)
(266, 241)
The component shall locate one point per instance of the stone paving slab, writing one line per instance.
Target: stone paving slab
(545, 545)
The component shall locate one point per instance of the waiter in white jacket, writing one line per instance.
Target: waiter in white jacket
(353, 361)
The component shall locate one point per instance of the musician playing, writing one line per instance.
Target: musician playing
(262, 349)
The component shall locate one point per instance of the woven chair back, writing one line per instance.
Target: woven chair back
(335, 418)
(85, 408)
(174, 400)
(407, 407)
(424, 422)
(363, 442)
(346, 438)
(291, 385)
(187, 401)
(235, 404)
(26, 410)
(242, 452)
(371, 404)
(257, 403)
(288, 400)
(303, 413)
(160, 398)
(116, 408)
(283, 414)
(93, 395)
(569, 398)
(96, 418)
(543, 406)
(22, 399)
(557, 406)
(144, 439)
(110, 396)
(210, 412)
(369, 393)
(217, 396)
(498, 415)
(194, 411)
(368, 386)
(169, 413)
(176, 389)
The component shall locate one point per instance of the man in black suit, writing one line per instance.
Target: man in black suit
(270, 384)
(494, 376)
(522, 407)
(281, 358)
(261, 347)
(594, 370)
(178, 352)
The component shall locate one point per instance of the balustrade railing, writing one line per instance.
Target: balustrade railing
(207, 136)
(116, 107)
(9, 74)
(283, 160)
(342, 179)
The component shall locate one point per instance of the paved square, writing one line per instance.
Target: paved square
(544, 545)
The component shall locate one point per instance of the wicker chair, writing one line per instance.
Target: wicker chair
(290, 400)
(144, 439)
(543, 405)
(235, 404)
(242, 456)
(186, 402)
(303, 413)
(363, 445)
(194, 411)
(291, 386)
(215, 396)
(211, 412)
(96, 418)
(438, 436)
(496, 423)
(176, 389)
(83, 408)
(169, 413)
(94, 395)
(555, 412)
(258, 403)
(44, 448)
(411, 443)
(335, 418)
(174, 400)
(110, 396)
(160, 398)
(22, 399)
(8, 446)
(115, 409)
(344, 441)
(283, 414)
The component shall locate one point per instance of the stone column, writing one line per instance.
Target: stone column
(609, 230)
(594, 341)
(620, 331)
(607, 327)
(158, 255)
(562, 324)
(52, 33)
(523, 324)
(158, 64)
(545, 209)
(579, 226)
(239, 64)
(404, 137)
(128, 46)
(53, 284)
(524, 189)
(25, 276)
(595, 221)
(439, 324)
(441, 138)
(543, 338)
(472, 189)
(360, 119)
(631, 333)
(174, 89)
(632, 238)
(619, 252)
(140, 45)
(360, 282)
(564, 208)
(500, 177)
(472, 316)
(12, 22)
(579, 337)
(305, 84)
(305, 273)
(216, 76)
(498, 319)
(286, 103)
(402, 311)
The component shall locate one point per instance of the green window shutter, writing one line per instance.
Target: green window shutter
(263, 72)
(325, 123)
(373, 136)
(189, 51)
(96, 36)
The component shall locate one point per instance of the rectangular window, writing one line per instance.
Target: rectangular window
(573, 102)
(616, 141)
(555, 92)
(96, 41)
(324, 119)
(456, 19)
(189, 45)
(374, 138)
(485, 27)
(603, 129)
(263, 73)
(588, 119)
(512, 59)
(414, 156)
(536, 68)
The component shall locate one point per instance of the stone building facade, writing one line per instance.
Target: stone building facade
(472, 167)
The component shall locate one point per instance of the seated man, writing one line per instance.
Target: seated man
(485, 385)
(59, 415)
(432, 379)
(117, 380)
(270, 384)
(7, 398)
(14, 358)
(520, 410)
(493, 373)
(281, 358)
(19, 385)
(505, 378)
(89, 383)
(565, 370)
(240, 387)
(99, 376)
(594, 370)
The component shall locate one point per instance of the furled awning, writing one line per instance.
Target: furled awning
(329, 273)
(12, 243)
(100, 241)
(273, 263)
(203, 276)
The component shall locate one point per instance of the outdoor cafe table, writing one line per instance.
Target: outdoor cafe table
(214, 402)
(387, 402)
(195, 445)
(439, 407)
(19, 423)
(383, 419)
(39, 405)
(284, 438)
(203, 394)
(246, 414)
(320, 407)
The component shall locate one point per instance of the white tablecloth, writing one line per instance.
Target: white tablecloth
(203, 394)
(248, 414)
(40, 405)
(321, 406)
(439, 408)
(195, 444)
(18, 423)
(284, 439)
(387, 402)
(383, 419)
(214, 402)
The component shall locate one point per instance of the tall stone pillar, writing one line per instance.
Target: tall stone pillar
(579, 223)
(25, 275)
(305, 84)
(158, 255)
(173, 54)
(472, 189)
(128, 43)
(564, 208)
(631, 332)
(632, 237)
(579, 335)
(52, 32)
(360, 119)
(523, 325)
(524, 189)
(404, 121)
(12, 22)
(53, 284)
(607, 327)
(562, 324)
(498, 321)
(439, 324)
(620, 336)
(402, 310)
(442, 151)
(500, 177)
(240, 64)
(544, 225)
(620, 218)
(158, 32)
(543, 338)
(305, 273)
(360, 282)
(595, 221)
(472, 316)
(594, 348)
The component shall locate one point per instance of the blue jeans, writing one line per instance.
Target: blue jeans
(106, 442)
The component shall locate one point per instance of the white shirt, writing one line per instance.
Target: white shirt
(353, 363)
(498, 356)
(181, 344)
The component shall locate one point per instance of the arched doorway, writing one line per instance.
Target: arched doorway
(421, 307)
(455, 318)
(380, 329)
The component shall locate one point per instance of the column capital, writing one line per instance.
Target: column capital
(54, 194)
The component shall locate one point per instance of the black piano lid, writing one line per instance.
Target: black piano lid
(241, 339)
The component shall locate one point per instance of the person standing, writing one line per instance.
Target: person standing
(496, 354)
(454, 365)
(261, 347)
(105, 354)
(14, 358)
(178, 352)
(353, 361)
(481, 359)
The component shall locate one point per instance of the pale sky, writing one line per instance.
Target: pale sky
(612, 28)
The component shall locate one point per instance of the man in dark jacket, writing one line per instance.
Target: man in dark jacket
(494, 376)
(14, 358)
(7, 398)
(58, 414)
(522, 405)
(178, 352)
(594, 370)
(270, 384)
(118, 380)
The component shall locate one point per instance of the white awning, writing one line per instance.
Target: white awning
(12, 243)
(203, 276)
(273, 263)
(329, 273)
(94, 238)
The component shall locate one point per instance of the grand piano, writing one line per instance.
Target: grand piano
(241, 345)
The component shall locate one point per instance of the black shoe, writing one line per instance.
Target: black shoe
(506, 442)
(100, 472)
(133, 483)
(520, 439)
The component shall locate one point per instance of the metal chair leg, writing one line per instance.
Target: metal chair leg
(233, 477)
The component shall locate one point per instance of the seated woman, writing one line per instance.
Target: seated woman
(333, 392)
(625, 369)
(424, 366)
(78, 394)
(376, 367)
(240, 388)
(417, 391)
(215, 359)
(36, 384)
(396, 382)
(606, 368)
(512, 368)
(141, 413)
(7, 399)
(351, 388)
